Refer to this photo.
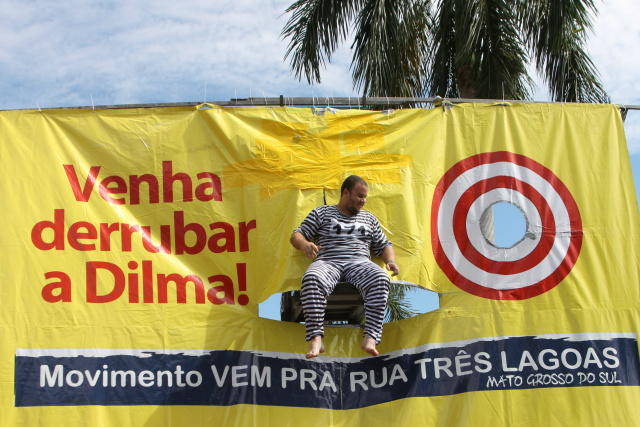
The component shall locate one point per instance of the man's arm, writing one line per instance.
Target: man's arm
(301, 243)
(389, 257)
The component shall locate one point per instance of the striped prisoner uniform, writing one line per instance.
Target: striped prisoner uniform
(345, 244)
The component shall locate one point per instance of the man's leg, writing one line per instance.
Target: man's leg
(373, 283)
(317, 283)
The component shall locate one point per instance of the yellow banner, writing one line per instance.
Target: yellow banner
(137, 244)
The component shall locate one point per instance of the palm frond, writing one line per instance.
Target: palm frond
(314, 30)
(555, 32)
(572, 77)
(398, 307)
(442, 77)
(489, 44)
(391, 40)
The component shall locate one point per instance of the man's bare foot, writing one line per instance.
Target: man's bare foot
(369, 345)
(316, 347)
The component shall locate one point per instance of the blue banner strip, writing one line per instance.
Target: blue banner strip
(224, 378)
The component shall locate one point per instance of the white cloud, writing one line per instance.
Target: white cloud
(119, 52)
(614, 47)
(130, 52)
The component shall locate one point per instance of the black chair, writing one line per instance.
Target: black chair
(344, 305)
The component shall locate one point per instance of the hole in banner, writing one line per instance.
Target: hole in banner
(510, 224)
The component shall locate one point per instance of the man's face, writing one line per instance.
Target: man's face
(356, 198)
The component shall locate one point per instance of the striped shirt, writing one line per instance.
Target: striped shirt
(343, 237)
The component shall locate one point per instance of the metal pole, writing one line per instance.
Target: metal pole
(341, 102)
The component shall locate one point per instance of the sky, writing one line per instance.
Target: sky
(83, 53)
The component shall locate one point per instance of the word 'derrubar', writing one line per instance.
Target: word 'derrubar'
(85, 236)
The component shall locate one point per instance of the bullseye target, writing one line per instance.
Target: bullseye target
(471, 260)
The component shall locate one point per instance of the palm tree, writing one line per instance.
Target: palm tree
(451, 48)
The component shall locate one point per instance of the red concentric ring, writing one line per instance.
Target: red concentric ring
(486, 264)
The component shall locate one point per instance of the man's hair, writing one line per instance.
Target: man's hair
(351, 182)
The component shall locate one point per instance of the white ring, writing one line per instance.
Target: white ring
(522, 248)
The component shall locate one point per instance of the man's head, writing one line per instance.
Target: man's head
(353, 194)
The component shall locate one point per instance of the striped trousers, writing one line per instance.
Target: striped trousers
(322, 276)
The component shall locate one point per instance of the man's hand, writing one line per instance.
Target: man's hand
(302, 244)
(311, 250)
(392, 266)
(389, 258)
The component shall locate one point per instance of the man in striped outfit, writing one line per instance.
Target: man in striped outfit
(340, 238)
